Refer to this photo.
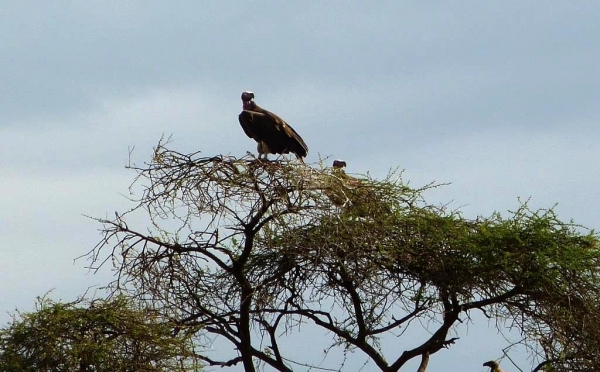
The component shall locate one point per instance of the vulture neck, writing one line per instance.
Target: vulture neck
(249, 105)
(256, 108)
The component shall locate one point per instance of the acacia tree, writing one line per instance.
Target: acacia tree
(250, 250)
(99, 335)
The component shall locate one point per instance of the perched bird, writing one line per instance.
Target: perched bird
(355, 196)
(273, 135)
(338, 170)
(339, 187)
(494, 366)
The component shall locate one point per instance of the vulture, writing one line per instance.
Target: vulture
(273, 134)
(352, 194)
(494, 366)
(338, 170)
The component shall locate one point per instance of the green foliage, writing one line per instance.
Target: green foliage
(260, 248)
(101, 335)
(531, 269)
(549, 268)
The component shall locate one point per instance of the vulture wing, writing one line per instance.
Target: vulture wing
(272, 131)
(247, 122)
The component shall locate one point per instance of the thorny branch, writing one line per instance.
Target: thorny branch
(253, 250)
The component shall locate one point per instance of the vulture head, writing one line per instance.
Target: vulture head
(248, 100)
(339, 164)
(494, 366)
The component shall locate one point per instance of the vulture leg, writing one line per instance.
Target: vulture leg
(262, 150)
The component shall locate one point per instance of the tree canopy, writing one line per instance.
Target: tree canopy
(249, 251)
(99, 335)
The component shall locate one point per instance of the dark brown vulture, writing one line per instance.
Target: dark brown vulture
(494, 366)
(273, 135)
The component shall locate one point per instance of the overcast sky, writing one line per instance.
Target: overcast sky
(500, 99)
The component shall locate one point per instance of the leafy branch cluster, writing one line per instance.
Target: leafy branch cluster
(99, 335)
(247, 250)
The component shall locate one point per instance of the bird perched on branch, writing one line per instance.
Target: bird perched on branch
(494, 366)
(273, 134)
(355, 196)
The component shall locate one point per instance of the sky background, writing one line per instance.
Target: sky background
(499, 99)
